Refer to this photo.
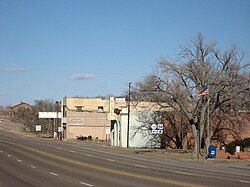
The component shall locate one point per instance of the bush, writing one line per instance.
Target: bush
(230, 147)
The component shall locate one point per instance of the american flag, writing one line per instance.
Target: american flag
(203, 92)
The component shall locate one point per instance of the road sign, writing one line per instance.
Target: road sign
(153, 126)
(160, 126)
(157, 129)
(38, 128)
(154, 131)
(60, 129)
(160, 132)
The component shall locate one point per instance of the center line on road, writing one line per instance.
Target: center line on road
(89, 155)
(33, 166)
(86, 184)
(51, 173)
(58, 147)
(141, 166)
(72, 151)
(19, 160)
(9, 155)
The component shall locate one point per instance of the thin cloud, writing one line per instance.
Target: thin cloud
(81, 76)
(14, 70)
(3, 93)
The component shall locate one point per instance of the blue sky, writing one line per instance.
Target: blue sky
(56, 48)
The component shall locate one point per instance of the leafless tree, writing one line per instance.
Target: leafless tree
(200, 65)
(29, 116)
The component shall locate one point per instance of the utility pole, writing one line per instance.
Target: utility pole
(129, 87)
(56, 120)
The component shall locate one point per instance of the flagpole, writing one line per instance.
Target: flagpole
(208, 120)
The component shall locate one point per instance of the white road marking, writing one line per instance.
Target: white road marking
(111, 160)
(242, 181)
(51, 173)
(89, 155)
(33, 166)
(72, 151)
(58, 147)
(156, 162)
(183, 173)
(9, 155)
(140, 166)
(1, 151)
(19, 160)
(86, 184)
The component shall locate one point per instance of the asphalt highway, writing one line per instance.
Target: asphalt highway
(29, 161)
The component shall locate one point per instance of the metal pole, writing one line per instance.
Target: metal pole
(56, 120)
(198, 150)
(208, 120)
(129, 86)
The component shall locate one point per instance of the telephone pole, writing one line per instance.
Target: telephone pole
(129, 87)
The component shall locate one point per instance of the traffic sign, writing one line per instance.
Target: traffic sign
(154, 126)
(154, 131)
(38, 128)
(160, 126)
(157, 129)
(160, 132)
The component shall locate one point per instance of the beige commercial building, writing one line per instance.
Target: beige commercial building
(84, 117)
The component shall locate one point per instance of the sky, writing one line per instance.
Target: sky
(56, 48)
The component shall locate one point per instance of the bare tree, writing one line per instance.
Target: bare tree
(29, 116)
(200, 65)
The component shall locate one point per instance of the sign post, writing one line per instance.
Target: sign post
(52, 115)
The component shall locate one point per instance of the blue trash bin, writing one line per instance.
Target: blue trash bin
(211, 151)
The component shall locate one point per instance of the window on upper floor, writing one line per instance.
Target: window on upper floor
(79, 108)
(100, 109)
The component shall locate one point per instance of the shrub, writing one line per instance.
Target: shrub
(230, 147)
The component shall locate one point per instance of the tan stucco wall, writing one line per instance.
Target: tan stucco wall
(96, 132)
(90, 104)
(87, 123)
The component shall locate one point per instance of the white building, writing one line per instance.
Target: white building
(140, 134)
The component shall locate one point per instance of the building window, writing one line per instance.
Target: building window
(100, 108)
(79, 108)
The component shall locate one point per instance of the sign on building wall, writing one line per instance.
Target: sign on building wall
(75, 121)
(120, 100)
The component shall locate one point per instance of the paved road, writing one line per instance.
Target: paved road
(27, 161)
